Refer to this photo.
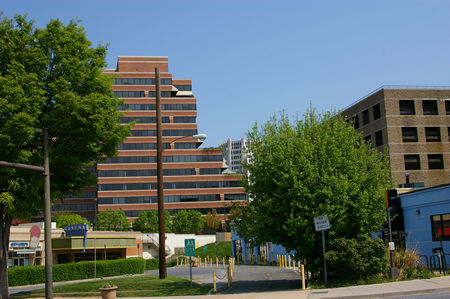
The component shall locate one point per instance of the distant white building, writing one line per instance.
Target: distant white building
(233, 152)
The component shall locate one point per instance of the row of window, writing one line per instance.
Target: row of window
(183, 87)
(204, 211)
(152, 119)
(141, 94)
(429, 107)
(73, 207)
(152, 107)
(170, 132)
(378, 138)
(152, 146)
(152, 172)
(432, 134)
(376, 112)
(141, 81)
(85, 194)
(154, 199)
(435, 161)
(174, 185)
(166, 159)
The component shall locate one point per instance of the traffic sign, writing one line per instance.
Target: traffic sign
(189, 247)
(321, 223)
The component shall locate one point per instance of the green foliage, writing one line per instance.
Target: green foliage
(212, 220)
(309, 167)
(74, 271)
(356, 259)
(63, 220)
(223, 250)
(153, 264)
(147, 222)
(187, 222)
(112, 221)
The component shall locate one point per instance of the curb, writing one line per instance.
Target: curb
(388, 294)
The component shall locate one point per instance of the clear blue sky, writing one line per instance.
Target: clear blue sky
(250, 59)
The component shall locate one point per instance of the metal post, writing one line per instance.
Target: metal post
(95, 258)
(47, 223)
(394, 272)
(324, 259)
(159, 166)
(190, 269)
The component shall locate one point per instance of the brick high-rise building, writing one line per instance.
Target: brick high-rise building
(193, 177)
(413, 124)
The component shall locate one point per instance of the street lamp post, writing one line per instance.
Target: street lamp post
(159, 175)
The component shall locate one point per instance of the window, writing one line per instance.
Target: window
(368, 138)
(355, 120)
(129, 94)
(379, 138)
(412, 162)
(429, 107)
(433, 134)
(440, 227)
(407, 107)
(447, 107)
(366, 118)
(435, 161)
(376, 111)
(409, 134)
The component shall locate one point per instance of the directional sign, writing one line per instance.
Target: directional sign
(189, 247)
(321, 223)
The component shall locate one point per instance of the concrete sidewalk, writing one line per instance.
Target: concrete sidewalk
(386, 290)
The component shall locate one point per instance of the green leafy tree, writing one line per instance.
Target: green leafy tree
(63, 220)
(51, 79)
(147, 222)
(309, 167)
(187, 222)
(112, 220)
(212, 220)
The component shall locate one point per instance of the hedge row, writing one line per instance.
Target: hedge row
(153, 264)
(26, 275)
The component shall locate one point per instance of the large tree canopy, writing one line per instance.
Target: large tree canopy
(147, 222)
(51, 79)
(187, 222)
(309, 167)
(112, 221)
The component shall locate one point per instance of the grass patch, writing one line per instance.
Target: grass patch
(223, 250)
(142, 286)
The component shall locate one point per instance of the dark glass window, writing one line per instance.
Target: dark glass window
(184, 119)
(134, 81)
(447, 107)
(429, 107)
(435, 161)
(440, 227)
(355, 120)
(376, 111)
(188, 132)
(409, 134)
(185, 145)
(129, 94)
(183, 87)
(368, 138)
(412, 162)
(407, 107)
(144, 172)
(85, 194)
(448, 133)
(210, 171)
(164, 94)
(366, 117)
(171, 185)
(379, 138)
(165, 81)
(166, 159)
(236, 196)
(433, 134)
(142, 119)
(152, 107)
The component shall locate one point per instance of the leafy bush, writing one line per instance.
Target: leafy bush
(352, 260)
(408, 263)
(153, 264)
(75, 271)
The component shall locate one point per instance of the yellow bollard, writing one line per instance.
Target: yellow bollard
(299, 270)
(303, 277)
(289, 262)
(214, 281)
(223, 261)
(217, 262)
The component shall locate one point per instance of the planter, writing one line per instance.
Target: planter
(108, 293)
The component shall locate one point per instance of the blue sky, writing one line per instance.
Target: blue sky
(250, 59)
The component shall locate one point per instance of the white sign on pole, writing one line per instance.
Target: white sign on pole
(391, 246)
(321, 223)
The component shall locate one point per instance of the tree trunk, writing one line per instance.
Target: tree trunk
(4, 243)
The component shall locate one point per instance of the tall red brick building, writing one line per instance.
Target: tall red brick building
(193, 177)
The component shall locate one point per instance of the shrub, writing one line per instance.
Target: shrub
(75, 271)
(408, 263)
(350, 260)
